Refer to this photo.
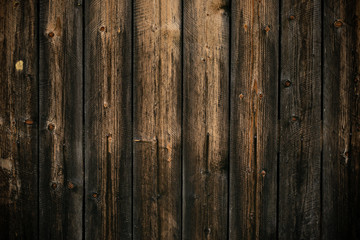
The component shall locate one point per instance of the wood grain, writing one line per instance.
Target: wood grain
(61, 107)
(157, 119)
(354, 92)
(339, 77)
(205, 119)
(108, 127)
(254, 116)
(300, 113)
(18, 120)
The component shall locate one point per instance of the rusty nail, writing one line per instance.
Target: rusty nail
(51, 126)
(267, 29)
(70, 185)
(263, 173)
(105, 105)
(293, 118)
(261, 95)
(29, 122)
(94, 195)
(287, 83)
(241, 96)
(51, 34)
(54, 186)
(292, 17)
(338, 23)
(102, 29)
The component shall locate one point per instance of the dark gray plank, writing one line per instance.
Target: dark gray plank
(18, 120)
(157, 119)
(205, 119)
(339, 75)
(108, 128)
(254, 116)
(300, 113)
(60, 149)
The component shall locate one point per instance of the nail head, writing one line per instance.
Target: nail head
(287, 83)
(338, 23)
(51, 126)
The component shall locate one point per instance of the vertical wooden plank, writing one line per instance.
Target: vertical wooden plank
(108, 128)
(339, 26)
(354, 91)
(254, 115)
(300, 113)
(61, 157)
(157, 119)
(18, 120)
(205, 119)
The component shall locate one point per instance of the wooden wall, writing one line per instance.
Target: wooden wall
(180, 119)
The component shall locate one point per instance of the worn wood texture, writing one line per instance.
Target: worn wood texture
(205, 119)
(194, 119)
(157, 119)
(300, 113)
(108, 127)
(354, 91)
(339, 90)
(254, 115)
(18, 120)
(60, 133)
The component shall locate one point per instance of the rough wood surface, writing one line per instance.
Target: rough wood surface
(60, 133)
(108, 127)
(300, 120)
(339, 77)
(254, 115)
(194, 119)
(205, 119)
(354, 91)
(18, 120)
(157, 119)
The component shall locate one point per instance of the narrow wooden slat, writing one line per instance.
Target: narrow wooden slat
(339, 75)
(61, 157)
(254, 114)
(205, 119)
(18, 120)
(354, 91)
(108, 128)
(300, 113)
(157, 119)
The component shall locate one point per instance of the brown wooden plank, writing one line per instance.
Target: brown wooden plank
(157, 119)
(254, 116)
(354, 91)
(300, 113)
(339, 77)
(206, 119)
(18, 120)
(108, 128)
(61, 155)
